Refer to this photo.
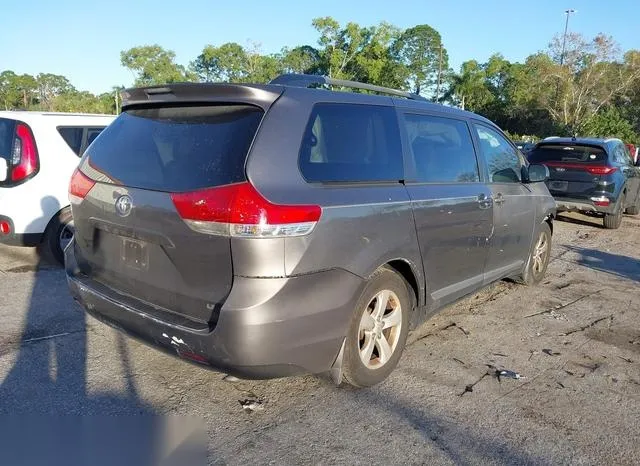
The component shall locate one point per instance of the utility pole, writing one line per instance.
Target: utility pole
(439, 75)
(564, 43)
(564, 37)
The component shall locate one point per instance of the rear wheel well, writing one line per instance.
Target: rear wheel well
(404, 269)
(549, 221)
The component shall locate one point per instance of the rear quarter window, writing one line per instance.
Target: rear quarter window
(570, 153)
(7, 130)
(174, 149)
(351, 143)
(73, 137)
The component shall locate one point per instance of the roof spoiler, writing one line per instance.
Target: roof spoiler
(200, 93)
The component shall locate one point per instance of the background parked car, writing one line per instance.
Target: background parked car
(38, 153)
(633, 150)
(591, 175)
(525, 146)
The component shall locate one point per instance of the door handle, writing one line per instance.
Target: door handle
(484, 201)
(499, 199)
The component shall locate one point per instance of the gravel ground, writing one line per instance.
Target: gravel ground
(575, 340)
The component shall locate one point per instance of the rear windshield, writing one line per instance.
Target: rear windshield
(6, 138)
(575, 153)
(176, 148)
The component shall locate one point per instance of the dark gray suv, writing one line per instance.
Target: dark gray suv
(596, 176)
(268, 230)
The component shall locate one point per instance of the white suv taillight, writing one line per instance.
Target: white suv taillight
(239, 210)
(24, 154)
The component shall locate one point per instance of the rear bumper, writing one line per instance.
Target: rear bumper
(18, 239)
(267, 327)
(583, 205)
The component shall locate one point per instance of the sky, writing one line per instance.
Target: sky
(82, 40)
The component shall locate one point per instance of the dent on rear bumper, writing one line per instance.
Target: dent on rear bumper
(267, 327)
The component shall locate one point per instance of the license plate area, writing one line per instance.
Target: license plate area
(134, 254)
(558, 185)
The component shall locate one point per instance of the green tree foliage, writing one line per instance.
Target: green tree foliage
(50, 86)
(224, 63)
(233, 63)
(303, 59)
(10, 95)
(591, 77)
(420, 51)
(151, 64)
(375, 64)
(17, 91)
(83, 101)
(469, 88)
(339, 47)
(610, 123)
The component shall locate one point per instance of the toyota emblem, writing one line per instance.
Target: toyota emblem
(124, 205)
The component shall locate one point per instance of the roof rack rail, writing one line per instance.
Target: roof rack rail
(308, 80)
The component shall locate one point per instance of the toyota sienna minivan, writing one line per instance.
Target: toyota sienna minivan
(269, 230)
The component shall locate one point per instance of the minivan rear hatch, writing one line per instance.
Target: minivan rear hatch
(130, 236)
(575, 169)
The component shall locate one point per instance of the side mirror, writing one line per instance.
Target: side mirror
(537, 173)
(4, 169)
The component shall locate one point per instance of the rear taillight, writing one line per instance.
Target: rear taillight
(601, 170)
(601, 201)
(5, 227)
(240, 210)
(79, 187)
(24, 154)
(593, 169)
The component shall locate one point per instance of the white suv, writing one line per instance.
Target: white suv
(38, 154)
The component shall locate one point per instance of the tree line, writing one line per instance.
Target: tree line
(576, 86)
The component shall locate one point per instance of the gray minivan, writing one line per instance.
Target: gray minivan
(268, 230)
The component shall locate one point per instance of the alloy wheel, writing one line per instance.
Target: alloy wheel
(380, 329)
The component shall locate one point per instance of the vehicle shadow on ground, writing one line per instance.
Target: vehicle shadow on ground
(614, 264)
(48, 383)
(584, 220)
(461, 444)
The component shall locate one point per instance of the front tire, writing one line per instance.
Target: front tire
(58, 235)
(378, 330)
(539, 256)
